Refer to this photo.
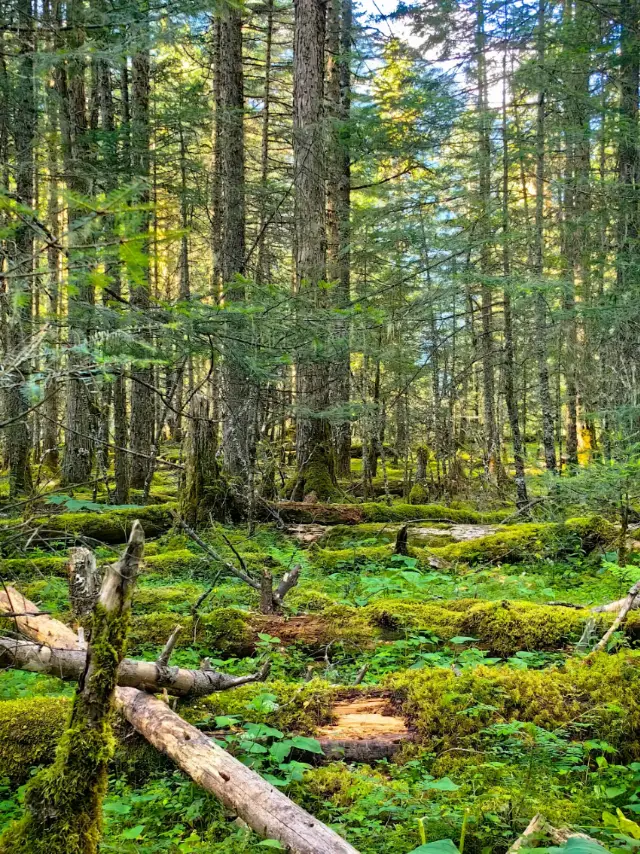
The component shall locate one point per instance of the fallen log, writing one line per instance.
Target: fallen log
(265, 809)
(42, 629)
(153, 676)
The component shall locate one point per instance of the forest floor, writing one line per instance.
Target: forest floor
(409, 695)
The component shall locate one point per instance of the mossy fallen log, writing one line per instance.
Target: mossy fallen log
(501, 627)
(298, 512)
(109, 526)
(177, 563)
(530, 541)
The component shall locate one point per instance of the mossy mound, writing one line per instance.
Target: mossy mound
(430, 512)
(178, 598)
(419, 494)
(31, 728)
(599, 697)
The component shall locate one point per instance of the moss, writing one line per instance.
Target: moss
(178, 598)
(29, 732)
(31, 728)
(338, 535)
(516, 543)
(419, 494)
(63, 802)
(297, 708)
(597, 698)
(178, 563)
(224, 630)
(17, 568)
(508, 627)
(308, 599)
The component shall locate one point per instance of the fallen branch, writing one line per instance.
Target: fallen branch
(265, 809)
(627, 605)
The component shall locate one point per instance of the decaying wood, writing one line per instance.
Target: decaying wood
(69, 664)
(42, 629)
(84, 581)
(265, 809)
(627, 605)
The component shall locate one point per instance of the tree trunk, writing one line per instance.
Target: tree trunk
(84, 581)
(51, 429)
(142, 418)
(79, 427)
(114, 272)
(522, 498)
(63, 803)
(237, 414)
(150, 676)
(19, 316)
(313, 438)
(338, 217)
(263, 262)
(540, 328)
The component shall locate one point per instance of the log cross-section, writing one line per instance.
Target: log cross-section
(266, 810)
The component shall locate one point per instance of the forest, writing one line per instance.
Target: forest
(319, 426)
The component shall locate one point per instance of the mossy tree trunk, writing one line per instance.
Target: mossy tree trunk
(63, 803)
(204, 490)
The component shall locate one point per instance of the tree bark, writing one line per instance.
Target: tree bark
(84, 581)
(540, 330)
(519, 456)
(338, 217)
(78, 453)
(19, 316)
(237, 399)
